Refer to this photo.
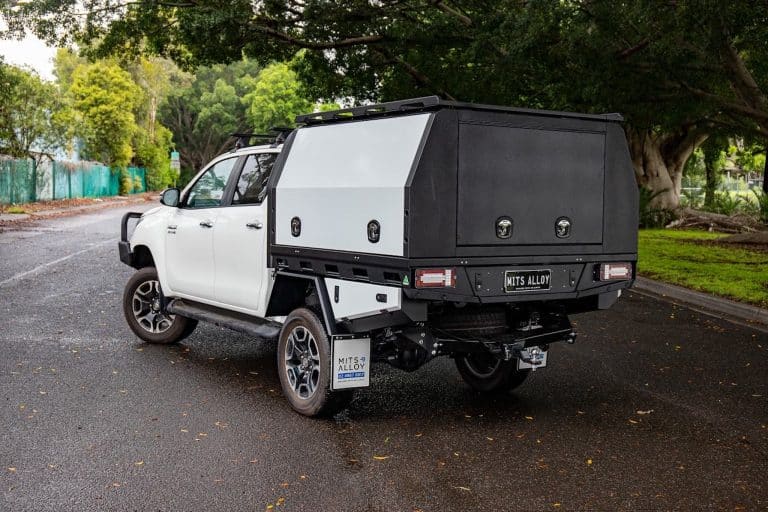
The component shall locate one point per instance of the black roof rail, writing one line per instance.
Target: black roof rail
(389, 107)
(276, 136)
(432, 103)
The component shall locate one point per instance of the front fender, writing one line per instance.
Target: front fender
(150, 233)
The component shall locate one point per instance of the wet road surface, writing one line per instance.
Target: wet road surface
(655, 407)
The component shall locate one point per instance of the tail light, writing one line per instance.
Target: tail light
(436, 278)
(615, 271)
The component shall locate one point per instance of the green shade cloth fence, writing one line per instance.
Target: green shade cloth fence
(21, 181)
(17, 181)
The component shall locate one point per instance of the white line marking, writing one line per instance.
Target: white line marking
(40, 268)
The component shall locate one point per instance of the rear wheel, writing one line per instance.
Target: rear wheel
(144, 314)
(486, 373)
(304, 366)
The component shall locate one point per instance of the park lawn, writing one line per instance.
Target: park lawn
(679, 257)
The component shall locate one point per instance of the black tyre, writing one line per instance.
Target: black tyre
(141, 307)
(484, 372)
(304, 366)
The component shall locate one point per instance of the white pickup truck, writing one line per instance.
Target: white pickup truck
(394, 233)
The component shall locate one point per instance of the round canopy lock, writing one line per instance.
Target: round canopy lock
(504, 227)
(374, 231)
(295, 226)
(563, 227)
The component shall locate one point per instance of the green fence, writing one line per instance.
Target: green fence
(17, 181)
(21, 181)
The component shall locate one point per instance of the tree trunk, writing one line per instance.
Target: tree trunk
(712, 150)
(659, 160)
(765, 171)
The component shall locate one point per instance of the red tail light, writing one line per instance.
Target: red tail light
(436, 278)
(615, 271)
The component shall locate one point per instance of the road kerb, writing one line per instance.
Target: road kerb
(705, 303)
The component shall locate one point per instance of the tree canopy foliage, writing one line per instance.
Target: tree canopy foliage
(203, 110)
(649, 59)
(677, 70)
(28, 124)
(103, 99)
(275, 98)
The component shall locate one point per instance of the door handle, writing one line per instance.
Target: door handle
(206, 224)
(254, 225)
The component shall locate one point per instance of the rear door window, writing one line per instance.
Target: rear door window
(251, 187)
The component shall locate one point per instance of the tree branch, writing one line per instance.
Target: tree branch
(342, 43)
(417, 75)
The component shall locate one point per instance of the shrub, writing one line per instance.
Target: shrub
(762, 204)
(692, 198)
(726, 203)
(650, 216)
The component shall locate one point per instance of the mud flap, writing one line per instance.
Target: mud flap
(351, 361)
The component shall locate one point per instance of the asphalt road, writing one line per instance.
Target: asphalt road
(654, 407)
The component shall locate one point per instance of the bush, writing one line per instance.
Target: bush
(126, 182)
(692, 198)
(651, 217)
(762, 205)
(726, 203)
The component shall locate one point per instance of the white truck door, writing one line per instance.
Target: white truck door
(189, 235)
(240, 239)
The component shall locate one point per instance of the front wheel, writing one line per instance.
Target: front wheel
(488, 374)
(144, 314)
(304, 366)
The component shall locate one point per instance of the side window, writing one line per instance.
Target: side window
(208, 191)
(252, 186)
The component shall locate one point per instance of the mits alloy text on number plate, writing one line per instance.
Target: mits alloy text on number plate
(527, 280)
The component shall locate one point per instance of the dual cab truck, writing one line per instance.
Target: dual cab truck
(395, 233)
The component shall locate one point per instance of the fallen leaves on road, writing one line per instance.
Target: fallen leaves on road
(462, 488)
(11, 470)
(649, 411)
(589, 462)
(138, 463)
(380, 457)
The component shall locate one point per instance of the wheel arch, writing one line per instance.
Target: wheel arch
(292, 291)
(142, 257)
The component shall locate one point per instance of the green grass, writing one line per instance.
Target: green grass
(15, 209)
(675, 257)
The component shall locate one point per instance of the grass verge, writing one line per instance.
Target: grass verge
(694, 259)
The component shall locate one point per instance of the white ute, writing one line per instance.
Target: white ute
(394, 233)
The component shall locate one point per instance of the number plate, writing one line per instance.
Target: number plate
(527, 280)
(522, 365)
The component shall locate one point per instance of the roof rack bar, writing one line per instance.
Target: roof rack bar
(434, 103)
(277, 135)
(371, 110)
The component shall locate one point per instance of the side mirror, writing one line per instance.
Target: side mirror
(170, 197)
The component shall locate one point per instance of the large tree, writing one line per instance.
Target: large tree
(203, 111)
(275, 98)
(103, 98)
(676, 69)
(29, 127)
